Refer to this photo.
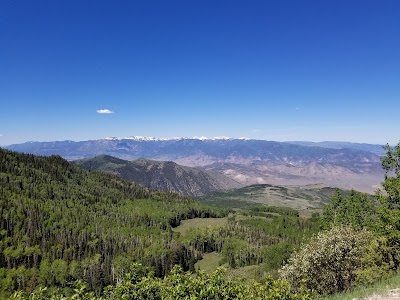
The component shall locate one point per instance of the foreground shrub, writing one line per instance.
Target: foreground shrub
(180, 285)
(377, 262)
(330, 262)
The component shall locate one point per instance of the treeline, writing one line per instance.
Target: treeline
(271, 211)
(256, 239)
(60, 223)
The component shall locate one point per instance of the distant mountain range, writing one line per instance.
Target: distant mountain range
(377, 149)
(346, 165)
(161, 175)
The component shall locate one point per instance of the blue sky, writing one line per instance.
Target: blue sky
(275, 70)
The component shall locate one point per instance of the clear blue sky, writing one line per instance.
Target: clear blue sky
(275, 70)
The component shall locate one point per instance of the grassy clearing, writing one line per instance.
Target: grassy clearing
(248, 273)
(307, 213)
(200, 223)
(209, 263)
(380, 288)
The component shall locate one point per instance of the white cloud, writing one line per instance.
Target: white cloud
(104, 111)
(256, 130)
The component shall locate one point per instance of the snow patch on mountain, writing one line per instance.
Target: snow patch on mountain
(147, 139)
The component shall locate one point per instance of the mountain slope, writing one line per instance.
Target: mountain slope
(161, 175)
(306, 198)
(60, 223)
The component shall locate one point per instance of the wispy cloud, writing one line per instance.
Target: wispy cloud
(104, 111)
(256, 130)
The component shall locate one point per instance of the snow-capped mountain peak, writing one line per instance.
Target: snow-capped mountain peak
(145, 138)
(139, 138)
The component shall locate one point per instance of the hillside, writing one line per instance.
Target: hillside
(245, 161)
(60, 223)
(302, 198)
(161, 175)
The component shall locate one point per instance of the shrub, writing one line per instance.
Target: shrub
(329, 262)
(376, 263)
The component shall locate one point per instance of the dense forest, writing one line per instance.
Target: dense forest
(70, 233)
(60, 223)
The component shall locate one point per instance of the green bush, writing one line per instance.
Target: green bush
(330, 261)
(178, 285)
(376, 263)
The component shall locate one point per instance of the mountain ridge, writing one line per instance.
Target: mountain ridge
(134, 147)
(162, 175)
(243, 160)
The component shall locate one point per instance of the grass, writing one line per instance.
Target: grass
(379, 288)
(307, 213)
(209, 263)
(248, 273)
(200, 223)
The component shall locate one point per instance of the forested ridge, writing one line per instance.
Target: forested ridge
(60, 223)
